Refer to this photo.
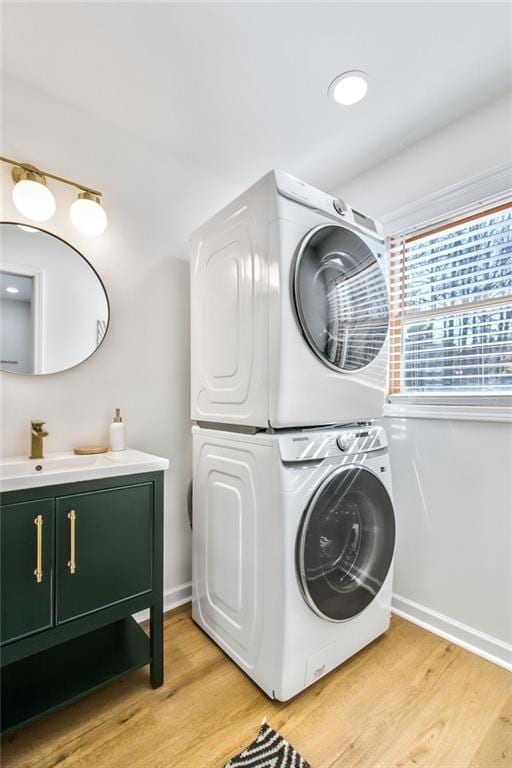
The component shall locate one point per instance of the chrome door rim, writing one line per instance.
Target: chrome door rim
(303, 526)
(301, 320)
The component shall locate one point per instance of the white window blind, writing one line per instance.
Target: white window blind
(451, 307)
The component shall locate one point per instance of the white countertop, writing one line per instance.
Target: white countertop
(20, 472)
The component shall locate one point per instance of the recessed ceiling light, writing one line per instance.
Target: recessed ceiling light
(11, 289)
(349, 88)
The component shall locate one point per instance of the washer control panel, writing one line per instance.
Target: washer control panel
(314, 445)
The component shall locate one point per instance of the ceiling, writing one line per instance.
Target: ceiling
(242, 87)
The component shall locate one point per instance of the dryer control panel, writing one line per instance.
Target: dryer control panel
(314, 445)
(295, 189)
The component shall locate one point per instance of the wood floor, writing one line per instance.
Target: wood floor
(410, 699)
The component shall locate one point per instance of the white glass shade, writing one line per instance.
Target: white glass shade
(88, 216)
(349, 88)
(33, 200)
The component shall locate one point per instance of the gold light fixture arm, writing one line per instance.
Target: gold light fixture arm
(31, 169)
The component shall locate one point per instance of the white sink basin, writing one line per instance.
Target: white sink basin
(56, 468)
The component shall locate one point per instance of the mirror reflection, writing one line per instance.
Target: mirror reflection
(54, 310)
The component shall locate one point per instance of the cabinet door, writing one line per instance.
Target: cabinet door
(104, 546)
(26, 588)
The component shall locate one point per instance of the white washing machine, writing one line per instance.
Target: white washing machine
(293, 540)
(289, 310)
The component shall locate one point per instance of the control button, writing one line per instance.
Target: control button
(340, 207)
(343, 444)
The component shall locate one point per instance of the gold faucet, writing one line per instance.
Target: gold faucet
(37, 434)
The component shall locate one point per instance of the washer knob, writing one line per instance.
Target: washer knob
(343, 444)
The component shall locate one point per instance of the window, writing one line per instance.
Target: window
(451, 307)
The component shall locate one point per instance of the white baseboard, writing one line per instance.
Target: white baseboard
(471, 639)
(177, 596)
(173, 598)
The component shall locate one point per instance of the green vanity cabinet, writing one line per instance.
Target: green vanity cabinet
(111, 532)
(26, 542)
(78, 560)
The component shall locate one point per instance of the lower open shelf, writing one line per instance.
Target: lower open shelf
(49, 679)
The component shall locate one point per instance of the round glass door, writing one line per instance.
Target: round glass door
(341, 298)
(345, 543)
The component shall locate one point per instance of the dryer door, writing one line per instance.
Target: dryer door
(341, 298)
(345, 543)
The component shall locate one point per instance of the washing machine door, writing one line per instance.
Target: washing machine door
(345, 543)
(340, 297)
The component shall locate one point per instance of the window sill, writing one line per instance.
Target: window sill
(447, 410)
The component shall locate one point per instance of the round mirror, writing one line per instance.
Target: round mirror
(54, 309)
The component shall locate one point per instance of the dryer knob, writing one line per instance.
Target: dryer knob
(343, 445)
(339, 207)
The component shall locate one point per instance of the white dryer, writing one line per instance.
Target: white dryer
(293, 541)
(289, 310)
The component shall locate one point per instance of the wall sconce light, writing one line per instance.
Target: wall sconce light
(87, 214)
(30, 195)
(35, 201)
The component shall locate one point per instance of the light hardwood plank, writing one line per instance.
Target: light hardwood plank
(496, 749)
(409, 699)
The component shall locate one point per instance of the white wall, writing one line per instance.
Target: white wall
(466, 148)
(143, 364)
(452, 478)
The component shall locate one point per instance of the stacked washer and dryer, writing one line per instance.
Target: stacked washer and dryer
(293, 523)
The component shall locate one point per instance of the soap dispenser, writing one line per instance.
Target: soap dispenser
(117, 433)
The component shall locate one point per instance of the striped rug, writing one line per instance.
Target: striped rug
(269, 750)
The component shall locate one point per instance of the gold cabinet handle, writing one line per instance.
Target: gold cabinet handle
(38, 573)
(72, 541)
